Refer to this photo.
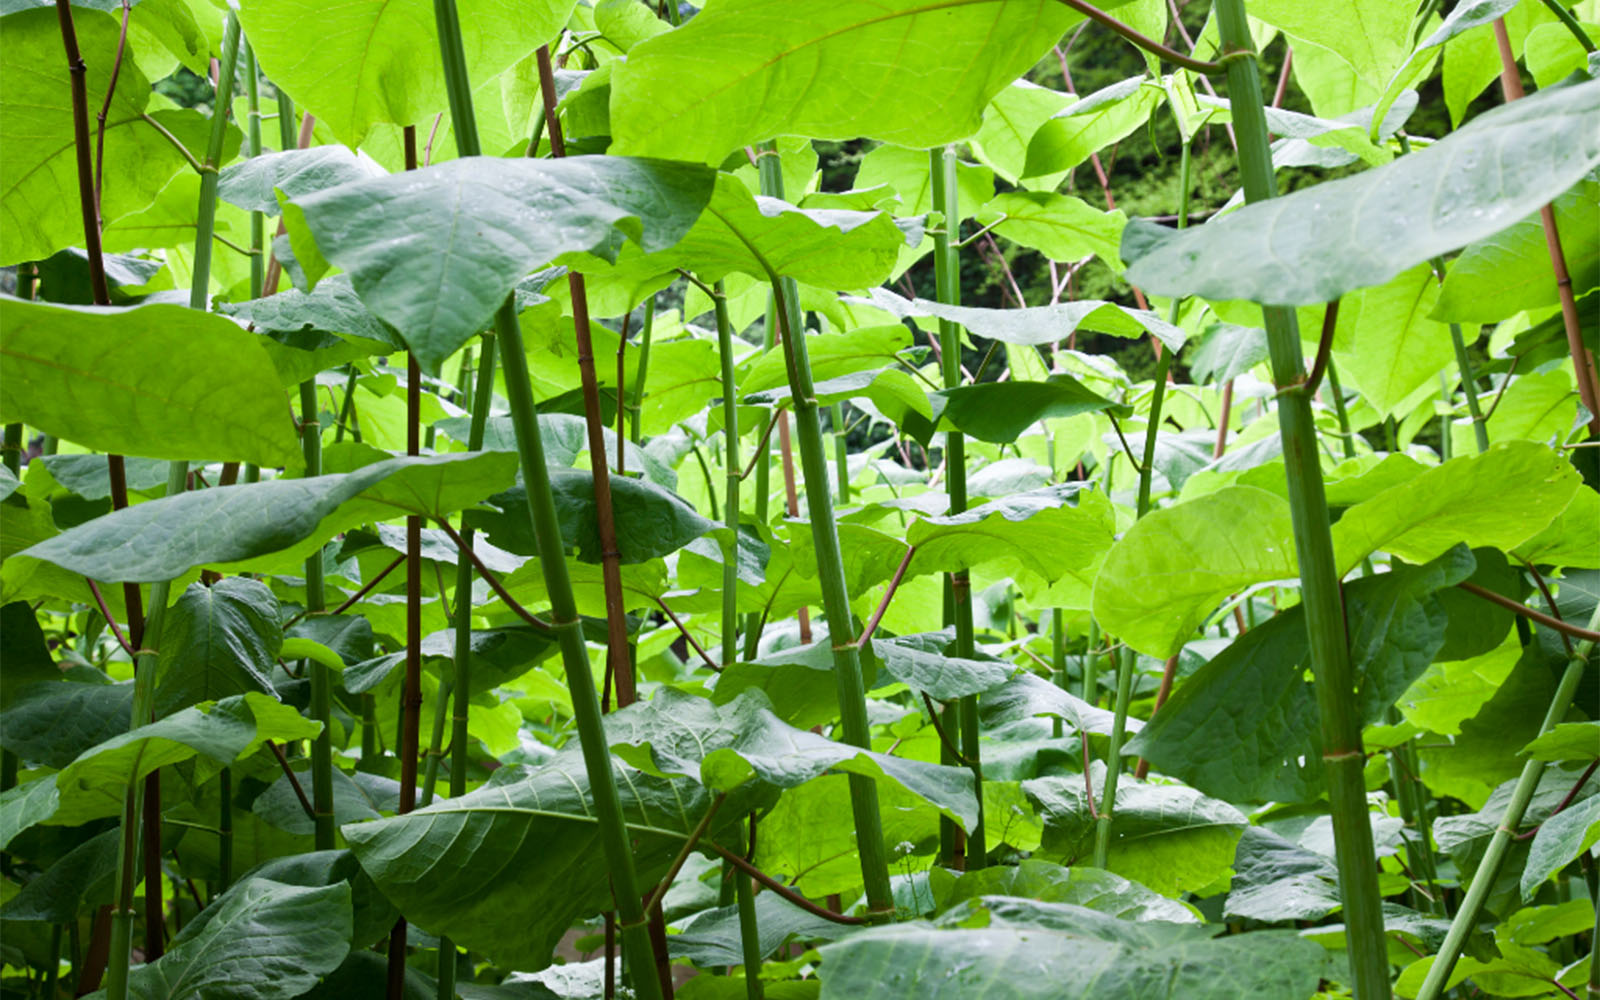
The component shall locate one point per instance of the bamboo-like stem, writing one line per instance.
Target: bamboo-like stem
(225, 829)
(641, 372)
(258, 220)
(605, 519)
(1091, 664)
(1320, 585)
(1494, 857)
(1565, 17)
(730, 505)
(482, 401)
(787, 893)
(1058, 661)
(749, 935)
(1582, 361)
(78, 72)
(841, 453)
(547, 532)
(947, 281)
(321, 677)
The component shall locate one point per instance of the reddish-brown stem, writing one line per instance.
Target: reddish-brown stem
(1088, 781)
(888, 595)
(700, 650)
(944, 737)
(1223, 420)
(605, 517)
(1576, 631)
(783, 890)
(78, 73)
(294, 780)
(1142, 770)
(116, 630)
(155, 927)
(1330, 319)
(761, 447)
(1550, 600)
(683, 855)
(411, 695)
(1150, 45)
(1582, 360)
(105, 108)
(492, 580)
(366, 588)
(1566, 800)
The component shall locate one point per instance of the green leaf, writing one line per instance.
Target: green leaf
(1380, 223)
(831, 355)
(52, 723)
(266, 941)
(1498, 499)
(1028, 695)
(255, 184)
(1498, 277)
(144, 381)
(506, 868)
(1169, 571)
(1059, 533)
(39, 205)
(920, 662)
(1227, 352)
(88, 477)
(217, 641)
(712, 938)
(1060, 227)
(1037, 325)
(1092, 888)
(747, 70)
(1088, 125)
(1560, 840)
(1372, 37)
(377, 62)
(1567, 741)
(906, 171)
(1386, 345)
(1552, 54)
(1009, 124)
(726, 745)
(434, 252)
(1275, 879)
(1056, 951)
(1170, 838)
(999, 412)
(24, 650)
(80, 881)
(331, 308)
(1274, 752)
(219, 527)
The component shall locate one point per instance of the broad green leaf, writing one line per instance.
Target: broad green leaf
(255, 184)
(1538, 924)
(831, 355)
(25, 651)
(907, 72)
(39, 179)
(999, 412)
(1472, 59)
(1372, 36)
(1484, 753)
(1058, 533)
(376, 61)
(1276, 879)
(144, 381)
(1057, 951)
(266, 941)
(726, 745)
(1567, 741)
(1538, 407)
(93, 785)
(1572, 539)
(217, 641)
(1062, 228)
(506, 868)
(1092, 888)
(1450, 692)
(920, 662)
(1089, 125)
(1551, 53)
(1498, 499)
(1386, 345)
(88, 477)
(1384, 221)
(1227, 352)
(1170, 570)
(80, 881)
(1168, 837)
(1560, 840)
(684, 376)
(218, 527)
(52, 723)
(372, 917)
(1497, 277)
(434, 252)
(1036, 325)
(907, 172)
(712, 938)
(1028, 695)
(1009, 123)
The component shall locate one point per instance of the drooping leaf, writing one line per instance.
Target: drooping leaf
(164, 538)
(25, 652)
(52, 723)
(81, 880)
(999, 412)
(1168, 837)
(144, 381)
(266, 941)
(1092, 888)
(254, 184)
(1275, 879)
(712, 938)
(831, 356)
(1560, 840)
(1037, 325)
(1057, 951)
(1089, 125)
(758, 71)
(506, 868)
(434, 252)
(1028, 695)
(368, 65)
(920, 662)
(217, 641)
(1567, 741)
(1061, 227)
(331, 308)
(727, 745)
(1384, 221)
(38, 179)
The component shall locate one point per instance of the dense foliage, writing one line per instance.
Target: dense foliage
(848, 498)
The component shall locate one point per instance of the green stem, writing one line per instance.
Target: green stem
(731, 467)
(144, 674)
(1091, 664)
(482, 400)
(636, 394)
(841, 453)
(258, 221)
(441, 718)
(558, 584)
(13, 448)
(1469, 385)
(947, 282)
(321, 677)
(1320, 586)
(1565, 17)
(749, 932)
(225, 829)
(1346, 437)
(1483, 880)
(1058, 660)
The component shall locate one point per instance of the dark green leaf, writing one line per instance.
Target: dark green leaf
(217, 641)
